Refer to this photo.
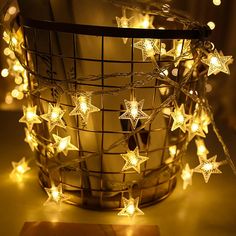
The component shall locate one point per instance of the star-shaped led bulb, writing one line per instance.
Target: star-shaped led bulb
(30, 117)
(195, 128)
(149, 47)
(181, 51)
(124, 22)
(83, 106)
(130, 207)
(19, 169)
(30, 138)
(201, 148)
(144, 22)
(54, 116)
(134, 112)
(217, 62)
(180, 118)
(133, 160)
(55, 195)
(208, 167)
(186, 176)
(63, 144)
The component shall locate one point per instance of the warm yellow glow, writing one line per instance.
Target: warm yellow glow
(19, 169)
(130, 207)
(20, 96)
(14, 93)
(4, 72)
(8, 99)
(186, 176)
(217, 2)
(30, 117)
(7, 51)
(173, 150)
(12, 10)
(83, 104)
(30, 138)
(217, 63)
(55, 195)
(180, 118)
(214, 61)
(133, 160)
(54, 116)
(134, 112)
(18, 80)
(134, 109)
(207, 167)
(63, 144)
(211, 24)
(194, 127)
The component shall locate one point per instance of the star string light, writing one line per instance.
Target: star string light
(55, 195)
(201, 148)
(133, 160)
(145, 22)
(208, 167)
(19, 169)
(181, 51)
(186, 176)
(83, 106)
(54, 116)
(180, 118)
(30, 138)
(63, 144)
(149, 47)
(124, 22)
(30, 117)
(134, 112)
(195, 128)
(217, 62)
(131, 208)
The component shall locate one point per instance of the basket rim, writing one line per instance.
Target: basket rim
(200, 32)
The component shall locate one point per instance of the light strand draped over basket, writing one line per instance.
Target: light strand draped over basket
(111, 110)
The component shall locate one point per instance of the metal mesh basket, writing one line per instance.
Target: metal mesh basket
(63, 60)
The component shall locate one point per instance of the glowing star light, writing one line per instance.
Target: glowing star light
(130, 207)
(195, 128)
(186, 176)
(19, 169)
(63, 144)
(133, 160)
(30, 117)
(30, 138)
(134, 112)
(217, 62)
(201, 148)
(83, 106)
(208, 167)
(149, 47)
(181, 51)
(55, 195)
(54, 116)
(145, 22)
(124, 22)
(180, 118)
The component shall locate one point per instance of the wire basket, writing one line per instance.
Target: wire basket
(66, 60)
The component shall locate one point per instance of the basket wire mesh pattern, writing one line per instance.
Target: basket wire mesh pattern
(64, 60)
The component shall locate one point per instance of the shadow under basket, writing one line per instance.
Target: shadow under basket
(64, 60)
